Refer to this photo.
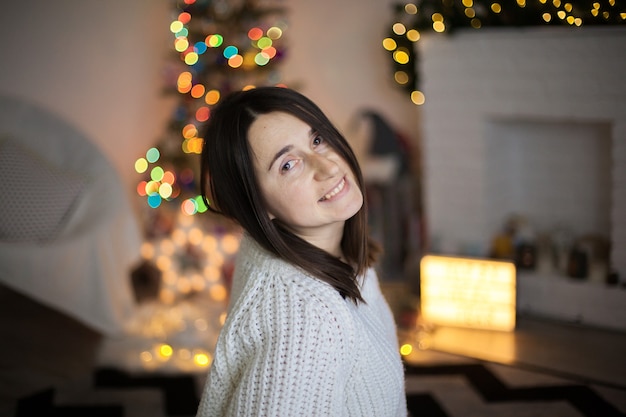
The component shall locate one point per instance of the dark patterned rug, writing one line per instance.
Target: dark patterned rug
(466, 389)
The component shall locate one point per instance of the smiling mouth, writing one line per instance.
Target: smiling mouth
(335, 190)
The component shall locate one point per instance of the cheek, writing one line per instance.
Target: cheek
(285, 201)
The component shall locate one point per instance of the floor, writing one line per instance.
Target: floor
(41, 347)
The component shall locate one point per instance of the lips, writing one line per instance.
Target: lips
(338, 188)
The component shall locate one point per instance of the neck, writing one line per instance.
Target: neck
(330, 240)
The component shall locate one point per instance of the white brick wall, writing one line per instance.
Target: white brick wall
(558, 76)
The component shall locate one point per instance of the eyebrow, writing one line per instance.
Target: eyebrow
(279, 154)
(286, 149)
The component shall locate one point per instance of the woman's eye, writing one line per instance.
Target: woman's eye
(318, 140)
(287, 166)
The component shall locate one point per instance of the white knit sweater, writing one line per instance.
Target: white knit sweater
(292, 346)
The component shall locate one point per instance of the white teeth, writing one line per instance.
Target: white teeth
(336, 190)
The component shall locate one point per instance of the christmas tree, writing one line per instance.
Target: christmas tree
(218, 46)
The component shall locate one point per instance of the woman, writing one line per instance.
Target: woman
(308, 331)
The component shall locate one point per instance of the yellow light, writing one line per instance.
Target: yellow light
(230, 244)
(476, 24)
(401, 77)
(191, 58)
(399, 29)
(561, 14)
(413, 35)
(183, 285)
(195, 236)
(201, 359)
(165, 350)
(437, 17)
(169, 277)
(176, 26)
(197, 283)
(570, 20)
(578, 21)
(145, 356)
(406, 349)
(470, 12)
(147, 250)
(223, 318)
(212, 97)
(496, 8)
(521, 3)
(468, 292)
(418, 98)
(389, 44)
(179, 237)
(568, 7)
(468, 3)
(556, 3)
(181, 44)
(547, 17)
(165, 190)
(274, 32)
(218, 292)
(211, 274)
(167, 296)
(410, 8)
(209, 244)
(190, 131)
(164, 262)
(439, 27)
(401, 57)
(141, 165)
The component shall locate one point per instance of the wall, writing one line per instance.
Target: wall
(471, 78)
(335, 56)
(100, 65)
(97, 64)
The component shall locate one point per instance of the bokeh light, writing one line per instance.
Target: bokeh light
(212, 97)
(255, 34)
(152, 155)
(141, 165)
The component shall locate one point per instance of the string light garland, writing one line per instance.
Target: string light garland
(220, 46)
(445, 16)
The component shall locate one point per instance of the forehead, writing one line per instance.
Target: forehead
(271, 131)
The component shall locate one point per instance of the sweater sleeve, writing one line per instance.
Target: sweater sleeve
(286, 351)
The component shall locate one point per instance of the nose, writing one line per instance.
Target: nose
(323, 167)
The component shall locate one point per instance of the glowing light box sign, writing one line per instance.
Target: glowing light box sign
(468, 292)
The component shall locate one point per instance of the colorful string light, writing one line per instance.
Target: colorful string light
(213, 61)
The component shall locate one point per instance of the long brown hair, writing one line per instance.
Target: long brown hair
(230, 187)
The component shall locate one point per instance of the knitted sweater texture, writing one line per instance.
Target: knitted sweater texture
(292, 346)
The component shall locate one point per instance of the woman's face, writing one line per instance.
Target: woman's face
(305, 183)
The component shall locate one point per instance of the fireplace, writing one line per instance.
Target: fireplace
(529, 122)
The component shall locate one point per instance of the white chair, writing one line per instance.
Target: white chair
(68, 236)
